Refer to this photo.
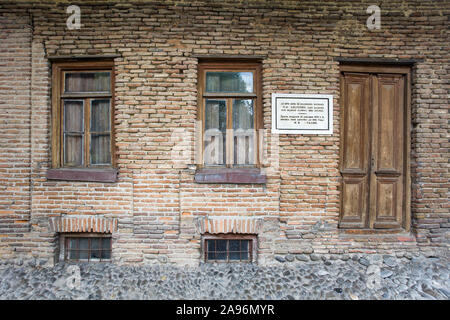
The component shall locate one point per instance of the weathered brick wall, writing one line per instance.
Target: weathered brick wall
(15, 109)
(155, 200)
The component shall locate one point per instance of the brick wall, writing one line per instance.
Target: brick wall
(15, 110)
(156, 203)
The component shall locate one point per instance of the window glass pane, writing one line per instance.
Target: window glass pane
(217, 249)
(73, 149)
(234, 245)
(84, 248)
(95, 254)
(100, 149)
(243, 131)
(243, 114)
(73, 255)
(245, 249)
(241, 82)
(244, 245)
(95, 243)
(72, 249)
(83, 255)
(72, 243)
(211, 255)
(73, 132)
(106, 248)
(221, 249)
(106, 254)
(87, 82)
(106, 244)
(215, 131)
(83, 243)
(234, 249)
(73, 116)
(100, 116)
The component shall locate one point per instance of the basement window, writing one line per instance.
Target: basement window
(84, 248)
(228, 249)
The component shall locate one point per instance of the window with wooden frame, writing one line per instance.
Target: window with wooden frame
(230, 110)
(229, 248)
(82, 117)
(86, 247)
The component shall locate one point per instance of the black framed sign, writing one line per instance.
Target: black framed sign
(302, 113)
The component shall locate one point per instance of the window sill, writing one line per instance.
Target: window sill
(87, 174)
(230, 175)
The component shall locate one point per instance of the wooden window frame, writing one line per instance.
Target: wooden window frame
(252, 247)
(86, 172)
(387, 68)
(229, 172)
(64, 247)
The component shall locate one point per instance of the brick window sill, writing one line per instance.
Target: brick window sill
(87, 174)
(230, 175)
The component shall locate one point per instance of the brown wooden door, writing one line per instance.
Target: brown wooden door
(373, 150)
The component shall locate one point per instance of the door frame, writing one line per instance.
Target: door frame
(390, 69)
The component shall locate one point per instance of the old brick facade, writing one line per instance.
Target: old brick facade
(155, 210)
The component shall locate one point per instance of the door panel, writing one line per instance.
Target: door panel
(386, 197)
(354, 202)
(387, 151)
(372, 150)
(354, 160)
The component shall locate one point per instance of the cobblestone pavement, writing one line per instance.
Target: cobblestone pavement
(298, 277)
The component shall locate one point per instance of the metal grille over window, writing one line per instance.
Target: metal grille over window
(228, 250)
(88, 249)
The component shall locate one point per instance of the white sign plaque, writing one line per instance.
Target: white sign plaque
(302, 113)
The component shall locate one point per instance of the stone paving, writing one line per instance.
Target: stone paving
(349, 277)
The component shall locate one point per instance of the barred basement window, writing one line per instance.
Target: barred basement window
(228, 249)
(78, 248)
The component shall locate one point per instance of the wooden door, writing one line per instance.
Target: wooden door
(374, 150)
